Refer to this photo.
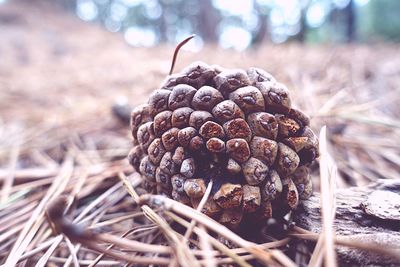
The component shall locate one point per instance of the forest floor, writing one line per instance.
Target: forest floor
(60, 77)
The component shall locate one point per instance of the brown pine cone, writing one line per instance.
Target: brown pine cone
(234, 127)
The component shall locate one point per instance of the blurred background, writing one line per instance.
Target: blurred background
(241, 24)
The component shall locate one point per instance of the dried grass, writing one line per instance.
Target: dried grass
(59, 141)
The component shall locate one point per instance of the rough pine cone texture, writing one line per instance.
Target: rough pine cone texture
(234, 127)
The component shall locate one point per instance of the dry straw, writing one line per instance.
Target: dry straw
(104, 218)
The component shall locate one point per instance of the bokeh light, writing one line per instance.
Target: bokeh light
(235, 24)
(234, 7)
(235, 37)
(316, 15)
(86, 10)
(361, 2)
(341, 3)
(138, 36)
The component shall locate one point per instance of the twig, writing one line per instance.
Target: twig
(199, 208)
(37, 216)
(8, 182)
(327, 201)
(178, 47)
(179, 208)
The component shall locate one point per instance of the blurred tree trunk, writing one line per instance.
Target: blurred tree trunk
(261, 34)
(350, 21)
(208, 21)
(343, 22)
(162, 24)
(300, 37)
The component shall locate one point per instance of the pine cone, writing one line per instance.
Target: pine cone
(234, 127)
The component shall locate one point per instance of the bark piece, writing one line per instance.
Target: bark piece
(352, 221)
